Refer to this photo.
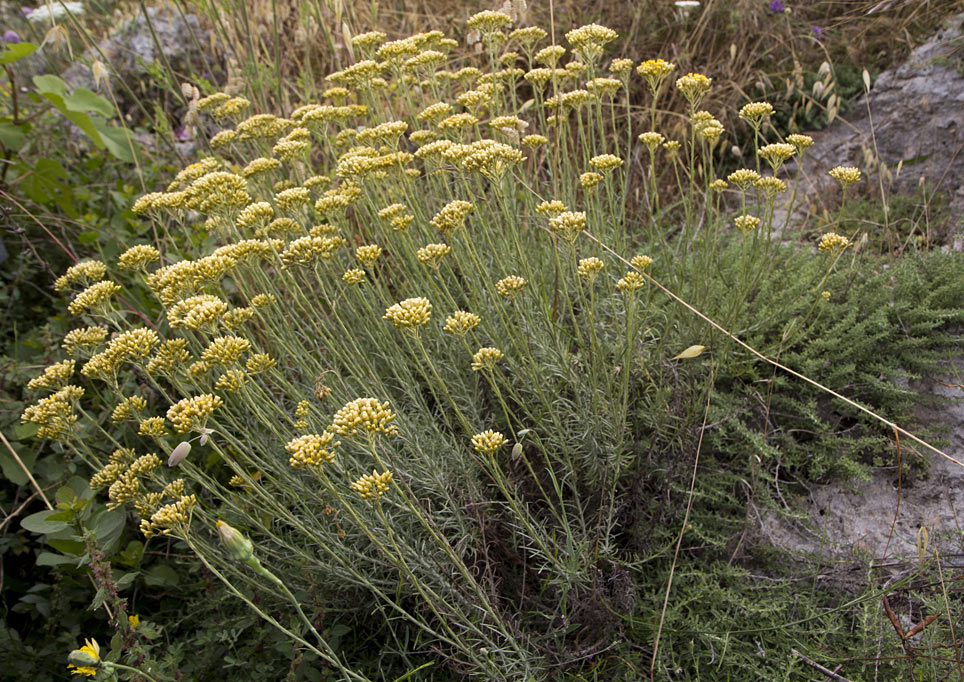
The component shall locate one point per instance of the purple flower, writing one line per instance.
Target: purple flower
(777, 7)
(27, 11)
(10, 36)
(818, 33)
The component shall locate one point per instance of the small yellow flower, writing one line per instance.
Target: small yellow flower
(364, 417)
(770, 186)
(353, 276)
(589, 268)
(510, 287)
(693, 86)
(718, 185)
(776, 154)
(755, 113)
(134, 620)
(833, 243)
(137, 257)
(605, 163)
(746, 223)
(461, 323)
(590, 180)
(652, 140)
(411, 313)
(372, 486)
(486, 358)
(93, 298)
(367, 255)
(312, 450)
(533, 141)
(191, 414)
(655, 71)
(801, 142)
(568, 224)
(488, 442)
(630, 282)
(85, 660)
(845, 175)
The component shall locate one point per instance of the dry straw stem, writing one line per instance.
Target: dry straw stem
(30, 477)
(778, 365)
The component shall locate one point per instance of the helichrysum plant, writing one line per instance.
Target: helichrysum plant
(386, 306)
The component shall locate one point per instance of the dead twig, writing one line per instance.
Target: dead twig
(831, 675)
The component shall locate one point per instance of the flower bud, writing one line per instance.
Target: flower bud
(239, 547)
(178, 454)
(82, 659)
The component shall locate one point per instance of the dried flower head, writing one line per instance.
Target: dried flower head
(85, 273)
(655, 72)
(693, 86)
(589, 268)
(776, 154)
(743, 178)
(755, 113)
(94, 298)
(353, 276)
(801, 142)
(83, 338)
(568, 224)
(367, 255)
(137, 257)
(432, 254)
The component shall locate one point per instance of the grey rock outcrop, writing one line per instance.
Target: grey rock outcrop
(916, 116)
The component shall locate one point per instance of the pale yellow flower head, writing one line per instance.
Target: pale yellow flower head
(488, 442)
(192, 414)
(137, 257)
(364, 417)
(84, 273)
(432, 254)
(743, 178)
(845, 175)
(353, 276)
(693, 86)
(510, 287)
(755, 113)
(652, 140)
(605, 163)
(630, 282)
(589, 268)
(833, 243)
(94, 298)
(486, 358)
(655, 72)
(461, 323)
(411, 313)
(372, 486)
(312, 450)
(746, 223)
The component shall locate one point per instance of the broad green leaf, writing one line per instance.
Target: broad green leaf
(82, 99)
(75, 547)
(49, 84)
(45, 522)
(161, 575)
(16, 52)
(85, 123)
(52, 559)
(690, 352)
(119, 141)
(12, 471)
(12, 136)
(108, 526)
(87, 237)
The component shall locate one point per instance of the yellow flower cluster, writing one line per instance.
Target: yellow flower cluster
(353, 276)
(801, 142)
(128, 409)
(192, 414)
(588, 41)
(770, 186)
(169, 357)
(461, 323)
(54, 414)
(589, 268)
(231, 381)
(486, 358)
(137, 257)
(83, 338)
(605, 163)
(197, 312)
(641, 262)
(410, 313)
(568, 224)
(432, 254)
(630, 282)
(655, 72)
(312, 449)
(845, 175)
(368, 254)
(755, 113)
(85, 272)
(510, 287)
(590, 180)
(776, 154)
(170, 517)
(54, 377)
(743, 178)
(833, 243)
(372, 486)
(746, 223)
(693, 86)
(153, 427)
(488, 442)
(364, 417)
(225, 350)
(93, 298)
